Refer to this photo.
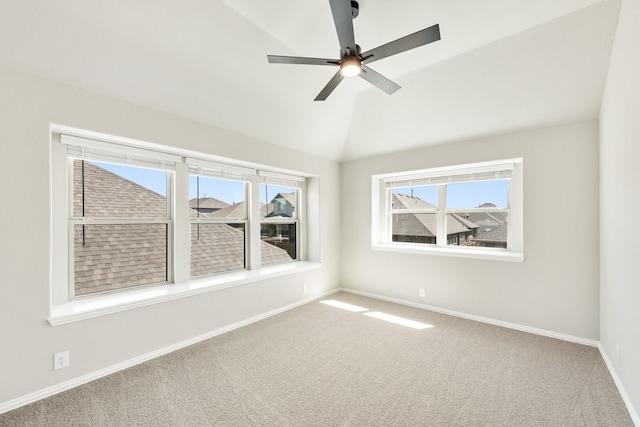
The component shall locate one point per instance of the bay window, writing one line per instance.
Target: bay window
(129, 217)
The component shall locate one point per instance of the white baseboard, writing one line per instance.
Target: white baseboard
(509, 325)
(625, 397)
(67, 385)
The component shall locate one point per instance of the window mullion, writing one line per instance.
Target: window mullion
(509, 216)
(301, 238)
(441, 219)
(223, 220)
(413, 211)
(115, 221)
(253, 253)
(389, 217)
(181, 245)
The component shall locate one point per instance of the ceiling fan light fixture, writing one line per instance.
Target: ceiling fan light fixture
(350, 67)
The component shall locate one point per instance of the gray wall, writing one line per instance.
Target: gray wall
(27, 342)
(555, 289)
(620, 205)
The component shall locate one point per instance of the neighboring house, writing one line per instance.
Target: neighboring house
(493, 238)
(492, 227)
(269, 233)
(281, 235)
(283, 205)
(206, 205)
(237, 210)
(486, 221)
(421, 227)
(117, 256)
(486, 229)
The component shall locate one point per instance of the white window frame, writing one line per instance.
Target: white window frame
(205, 169)
(297, 184)
(85, 149)
(65, 308)
(382, 211)
(116, 221)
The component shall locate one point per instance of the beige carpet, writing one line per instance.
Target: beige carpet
(319, 365)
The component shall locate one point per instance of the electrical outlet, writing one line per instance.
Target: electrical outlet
(61, 360)
(306, 288)
(618, 352)
(422, 293)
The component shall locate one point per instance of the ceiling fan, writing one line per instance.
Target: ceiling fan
(352, 62)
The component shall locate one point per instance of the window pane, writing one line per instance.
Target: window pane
(277, 202)
(278, 243)
(414, 228)
(102, 190)
(478, 194)
(109, 257)
(216, 248)
(421, 197)
(214, 197)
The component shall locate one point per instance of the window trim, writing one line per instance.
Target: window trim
(65, 308)
(382, 213)
(114, 302)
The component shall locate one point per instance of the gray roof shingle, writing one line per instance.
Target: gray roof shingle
(423, 224)
(498, 234)
(207, 203)
(403, 201)
(109, 195)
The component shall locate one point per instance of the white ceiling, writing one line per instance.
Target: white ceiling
(501, 65)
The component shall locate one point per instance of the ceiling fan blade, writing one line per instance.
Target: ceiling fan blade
(333, 83)
(341, 10)
(378, 80)
(417, 39)
(276, 59)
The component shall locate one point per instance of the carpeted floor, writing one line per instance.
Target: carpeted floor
(319, 365)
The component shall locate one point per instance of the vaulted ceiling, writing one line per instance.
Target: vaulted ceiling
(501, 65)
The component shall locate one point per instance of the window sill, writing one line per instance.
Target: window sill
(87, 308)
(451, 252)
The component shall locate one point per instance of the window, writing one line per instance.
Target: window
(279, 224)
(138, 217)
(468, 210)
(218, 214)
(119, 222)
(119, 241)
(477, 213)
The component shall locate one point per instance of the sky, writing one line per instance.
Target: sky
(226, 190)
(463, 195)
